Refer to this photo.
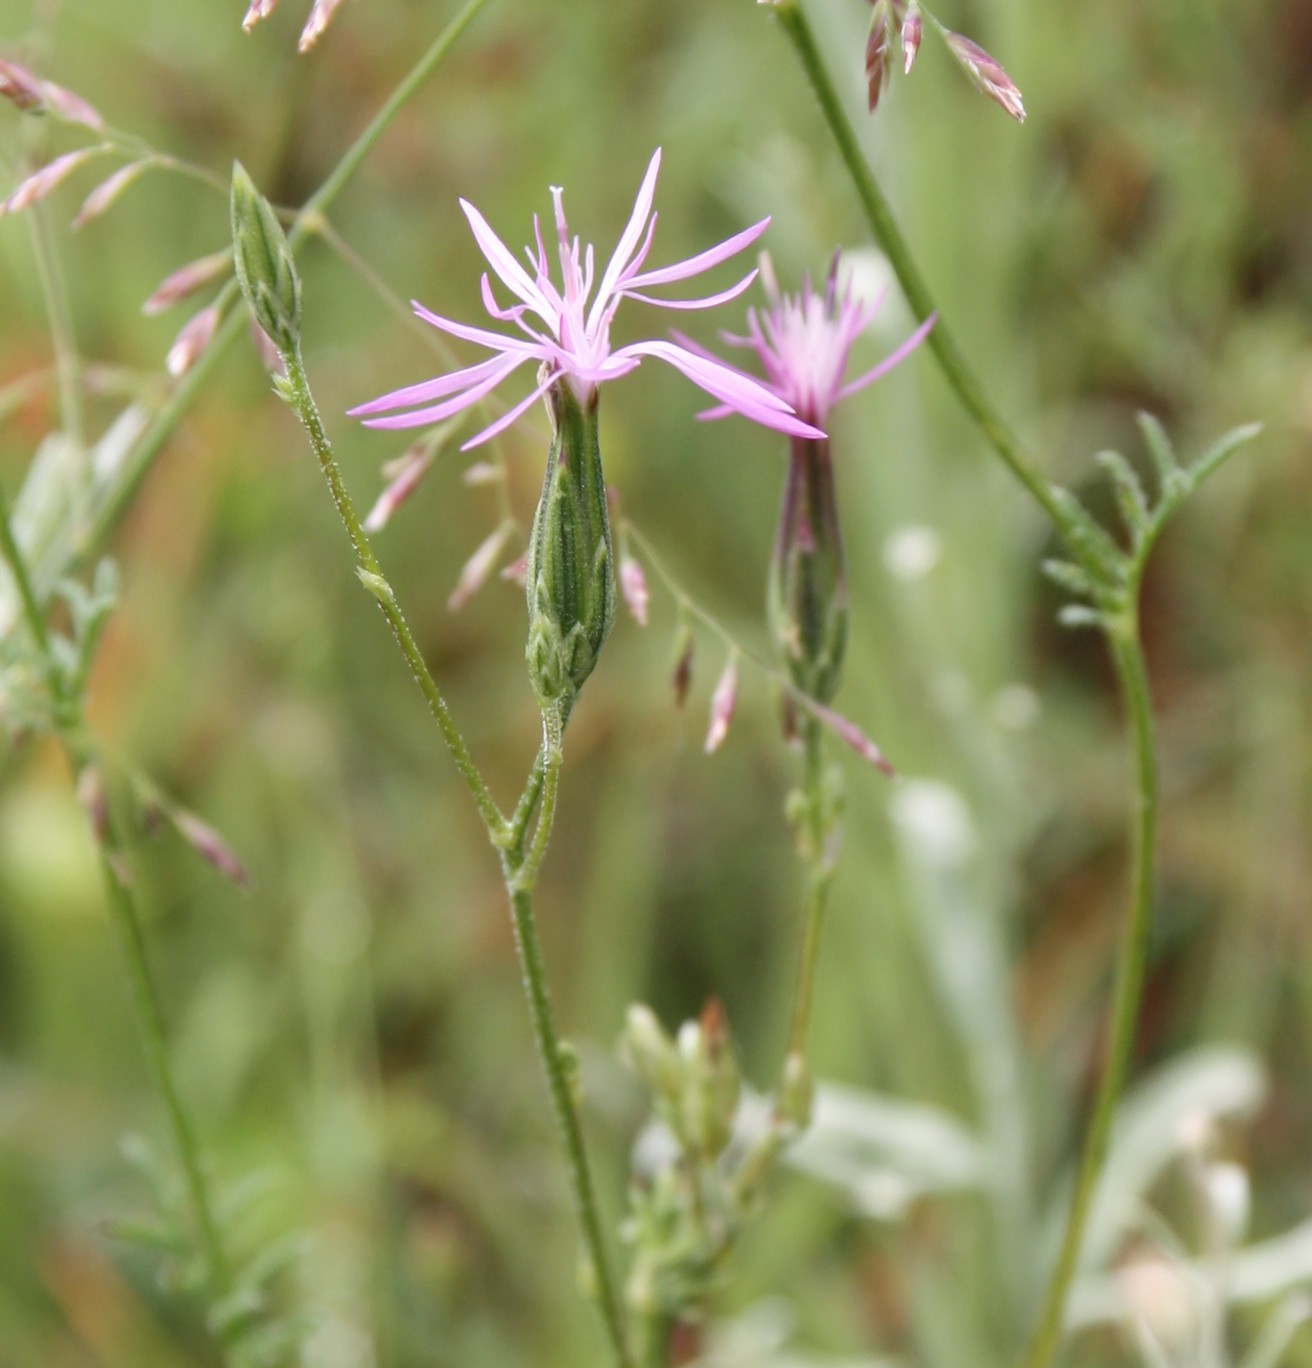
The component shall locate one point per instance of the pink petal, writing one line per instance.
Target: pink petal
(706, 303)
(499, 257)
(437, 412)
(703, 261)
(506, 419)
(629, 239)
(891, 359)
(435, 389)
(731, 387)
(497, 341)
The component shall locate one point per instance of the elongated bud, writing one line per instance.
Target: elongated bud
(209, 845)
(108, 191)
(681, 679)
(404, 475)
(651, 1053)
(986, 75)
(72, 108)
(723, 701)
(186, 280)
(714, 1084)
(40, 183)
(910, 36)
(796, 1097)
(29, 92)
(197, 333)
(259, 9)
(265, 269)
(95, 802)
(570, 578)
(20, 87)
(850, 735)
(879, 54)
(633, 585)
(320, 17)
(808, 583)
(479, 566)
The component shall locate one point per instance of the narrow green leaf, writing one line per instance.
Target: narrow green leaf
(1216, 456)
(1160, 449)
(1130, 496)
(1089, 539)
(1070, 577)
(1080, 615)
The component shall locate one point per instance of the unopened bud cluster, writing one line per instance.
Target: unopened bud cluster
(263, 260)
(687, 1213)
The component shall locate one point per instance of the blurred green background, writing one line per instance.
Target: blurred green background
(350, 1034)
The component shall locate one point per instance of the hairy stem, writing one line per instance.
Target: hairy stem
(371, 574)
(150, 1019)
(518, 867)
(521, 875)
(819, 877)
(1127, 656)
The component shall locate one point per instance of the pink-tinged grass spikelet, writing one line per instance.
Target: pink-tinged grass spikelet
(260, 9)
(196, 334)
(403, 476)
(107, 192)
(633, 588)
(186, 280)
(986, 74)
(40, 183)
(320, 17)
(723, 702)
(479, 566)
(911, 32)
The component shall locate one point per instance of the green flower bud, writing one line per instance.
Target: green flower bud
(570, 577)
(711, 1082)
(650, 1052)
(796, 1098)
(808, 581)
(265, 269)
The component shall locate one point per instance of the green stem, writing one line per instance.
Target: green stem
(364, 144)
(32, 615)
(128, 923)
(161, 427)
(67, 363)
(521, 875)
(557, 1073)
(519, 869)
(820, 876)
(1127, 656)
(150, 1019)
(889, 236)
(371, 574)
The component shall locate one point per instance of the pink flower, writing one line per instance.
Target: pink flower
(803, 342)
(570, 337)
